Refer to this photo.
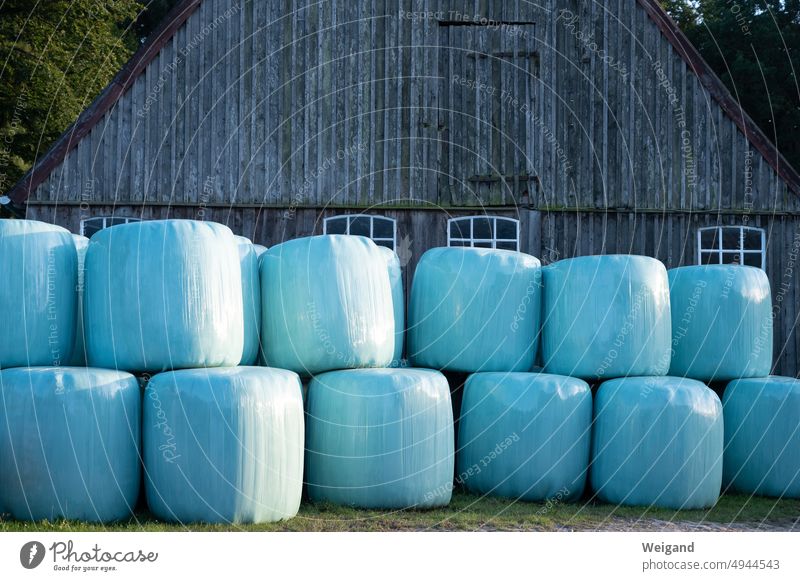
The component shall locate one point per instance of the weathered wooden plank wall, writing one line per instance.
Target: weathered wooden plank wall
(350, 103)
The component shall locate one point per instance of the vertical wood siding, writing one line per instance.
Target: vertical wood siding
(560, 104)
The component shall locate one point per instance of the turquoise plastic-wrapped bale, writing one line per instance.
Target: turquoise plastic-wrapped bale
(721, 322)
(762, 436)
(38, 278)
(657, 441)
(606, 317)
(380, 438)
(164, 295)
(69, 443)
(326, 304)
(78, 357)
(524, 436)
(474, 309)
(399, 303)
(224, 445)
(251, 299)
(259, 249)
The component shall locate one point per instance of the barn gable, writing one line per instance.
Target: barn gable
(352, 104)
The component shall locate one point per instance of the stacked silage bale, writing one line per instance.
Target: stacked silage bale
(38, 296)
(69, 436)
(226, 442)
(762, 436)
(722, 319)
(69, 443)
(521, 435)
(160, 296)
(475, 310)
(179, 298)
(657, 440)
(722, 323)
(377, 437)
(164, 295)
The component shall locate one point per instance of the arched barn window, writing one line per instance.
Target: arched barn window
(732, 245)
(382, 230)
(483, 232)
(91, 226)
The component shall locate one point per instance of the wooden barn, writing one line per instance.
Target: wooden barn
(559, 128)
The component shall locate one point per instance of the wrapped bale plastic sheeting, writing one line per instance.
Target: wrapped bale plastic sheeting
(721, 322)
(657, 442)
(69, 443)
(78, 358)
(39, 272)
(164, 295)
(326, 303)
(380, 438)
(260, 250)
(525, 436)
(606, 317)
(251, 299)
(475, 309)
(399, 303)
(224, 445)
(762, 436)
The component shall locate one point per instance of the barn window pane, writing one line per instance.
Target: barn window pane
(336, 225)
(379, 228)
(483, 232)
(731, 245)
(731, 238)
(91, 226)
(751, 259)
(460, 229)
(707, 258)
(731, 258)
(481, 229)
(383, 227)
(752, 239)
(506, 229)
(708, 238)
(360, 226)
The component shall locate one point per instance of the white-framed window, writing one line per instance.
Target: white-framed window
(91, 226)
(382, 230)
(484, 232)
(732, 245)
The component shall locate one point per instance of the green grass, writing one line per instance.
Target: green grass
(473, 513)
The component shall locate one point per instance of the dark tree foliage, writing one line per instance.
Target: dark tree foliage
(154, 12)
(754, 46)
